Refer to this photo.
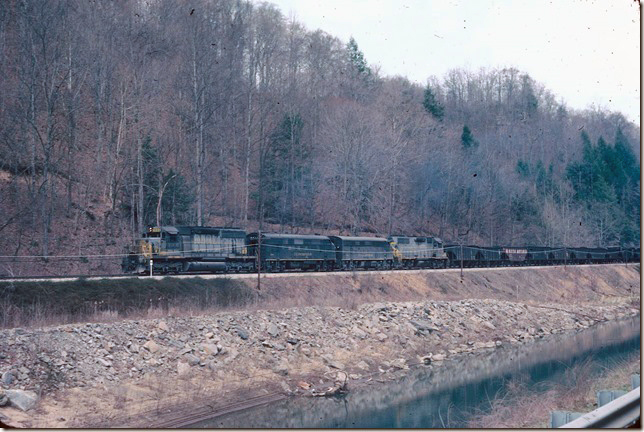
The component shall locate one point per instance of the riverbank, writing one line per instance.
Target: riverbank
(522, 408)
(149, 372)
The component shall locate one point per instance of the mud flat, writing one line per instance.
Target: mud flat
(305, 337)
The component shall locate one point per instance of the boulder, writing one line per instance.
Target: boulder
(362, 365)
(273, 330)
(400, 364)
(358, 332)
(151, 346)
(242, 333)
(210, 349)
(22, 399)
(489, 325)
(192, 359)
(163, 326)
(422, 327)
(104, 362)
(332, 363)
(281, 369)
(183, 368)
(8, 377)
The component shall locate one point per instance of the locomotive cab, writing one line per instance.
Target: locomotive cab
(156, 243)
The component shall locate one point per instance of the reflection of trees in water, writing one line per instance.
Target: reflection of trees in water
(435, 396)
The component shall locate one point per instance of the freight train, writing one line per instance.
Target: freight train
(192, 249)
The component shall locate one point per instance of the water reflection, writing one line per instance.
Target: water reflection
(446, 396)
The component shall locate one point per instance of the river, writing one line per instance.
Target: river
(448, 395)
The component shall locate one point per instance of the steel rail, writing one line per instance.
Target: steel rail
(190, 417)
(620, 413)
(288, 273)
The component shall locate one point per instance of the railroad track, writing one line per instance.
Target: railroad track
(188, 415)
(205, 275)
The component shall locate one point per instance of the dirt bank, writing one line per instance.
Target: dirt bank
(305, 334)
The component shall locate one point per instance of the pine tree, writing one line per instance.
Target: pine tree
(431, 105)
(467, 138)
(356, 58)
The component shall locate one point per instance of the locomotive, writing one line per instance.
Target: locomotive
(192, 249)
(186, 249)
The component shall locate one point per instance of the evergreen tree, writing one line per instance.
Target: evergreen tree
(523, 168)
(467, 138)
(177, 200)
(284, 167)
(356, 58)
(431, 105)
(606, 184)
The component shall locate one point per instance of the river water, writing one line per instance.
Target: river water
(451, 394)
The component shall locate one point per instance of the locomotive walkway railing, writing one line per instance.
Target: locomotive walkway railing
(620, 413)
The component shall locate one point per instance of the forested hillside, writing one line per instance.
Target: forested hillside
(119, 115)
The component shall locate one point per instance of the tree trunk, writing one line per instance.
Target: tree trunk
(141, 192)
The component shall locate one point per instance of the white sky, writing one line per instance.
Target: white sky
(585, 52)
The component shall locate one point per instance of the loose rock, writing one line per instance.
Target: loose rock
(151, 346)
(242, 333)
(273, 330)
(22, 399)
(8, 377)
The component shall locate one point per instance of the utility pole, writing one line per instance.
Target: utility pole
(259, 259)
(624, 255)
(461, 262)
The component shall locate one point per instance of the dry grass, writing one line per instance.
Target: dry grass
(42, 304)
(522, 407)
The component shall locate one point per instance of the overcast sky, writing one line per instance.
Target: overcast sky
(585, 52)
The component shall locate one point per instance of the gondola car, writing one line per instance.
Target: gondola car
(586, 255)
(491, 256)
(362, 253)
(418, 252)
(631, 254)
(615, 254)
(474, 256)
(541, 255)
(280, 252)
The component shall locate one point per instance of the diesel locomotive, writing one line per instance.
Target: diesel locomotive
(192, 249)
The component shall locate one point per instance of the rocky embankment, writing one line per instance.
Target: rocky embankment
(137, 373)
